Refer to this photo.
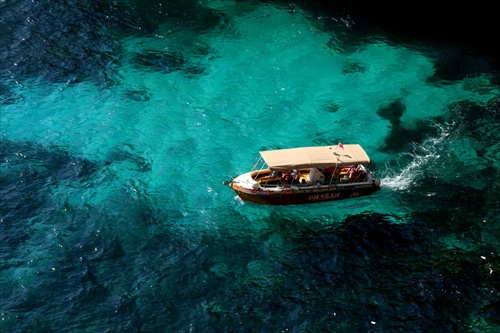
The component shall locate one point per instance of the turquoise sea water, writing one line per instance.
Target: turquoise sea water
(120, 123)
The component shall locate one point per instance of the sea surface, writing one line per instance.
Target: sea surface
(120, 122)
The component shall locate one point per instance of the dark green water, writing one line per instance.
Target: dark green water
(120, 122)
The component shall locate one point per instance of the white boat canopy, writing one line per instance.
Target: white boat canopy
(309, 157)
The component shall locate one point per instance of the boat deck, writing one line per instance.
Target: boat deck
(305, 178)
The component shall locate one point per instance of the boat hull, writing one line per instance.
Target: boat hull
(303, 196)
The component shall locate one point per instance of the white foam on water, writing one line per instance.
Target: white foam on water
(422, 157)
(404, 179)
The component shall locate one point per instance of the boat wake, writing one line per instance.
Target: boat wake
(420, 159)
(406, 177)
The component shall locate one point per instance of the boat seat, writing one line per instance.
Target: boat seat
(344, 179)
(316, 176)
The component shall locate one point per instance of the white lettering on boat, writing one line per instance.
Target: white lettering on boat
(324, 196)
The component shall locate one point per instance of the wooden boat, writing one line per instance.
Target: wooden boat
(307, 175)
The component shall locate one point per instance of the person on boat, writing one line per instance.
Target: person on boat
(361, 174)
(285, 176)
(294, 176)
(328, 173)
(353, 171)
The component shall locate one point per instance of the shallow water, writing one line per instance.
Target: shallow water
(120, 123)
